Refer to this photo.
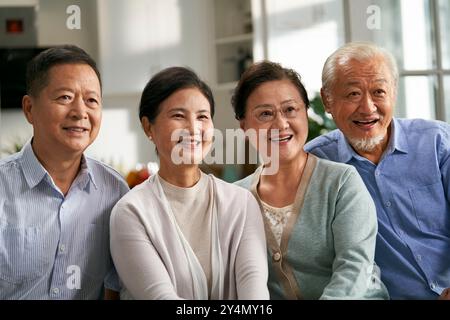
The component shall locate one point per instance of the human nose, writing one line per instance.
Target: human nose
(79, 110)
(193, 126)
(280, 121)
(367, 105)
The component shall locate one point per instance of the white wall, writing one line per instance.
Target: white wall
(302, 34)
(17, 3)
(138, 38)
(52, 30)
(51, 26)
(132, 40)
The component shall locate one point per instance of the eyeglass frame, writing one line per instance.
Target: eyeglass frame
(283, 111)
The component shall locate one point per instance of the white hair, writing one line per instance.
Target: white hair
(359, 51)
(365, 144)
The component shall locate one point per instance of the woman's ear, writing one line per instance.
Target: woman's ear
(147, 126)
(242, 124)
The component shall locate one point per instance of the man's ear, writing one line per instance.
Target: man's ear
(27, 105)
(325, 100)
(147, 126)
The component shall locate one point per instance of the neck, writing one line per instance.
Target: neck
(373, 155)
(288, 172)
(63, 168)
(180, 176)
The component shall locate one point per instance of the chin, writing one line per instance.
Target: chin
(192, 158)
(80, 147)
(366, 144)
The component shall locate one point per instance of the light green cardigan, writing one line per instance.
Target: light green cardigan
(327, 248)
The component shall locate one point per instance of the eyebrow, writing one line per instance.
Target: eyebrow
(93, 92)
(184, 110)
(267, 105)
(64, 89)
(71, 90)
(351, 83)
(288, 101)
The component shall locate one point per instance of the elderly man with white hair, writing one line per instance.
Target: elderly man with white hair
(405, 164)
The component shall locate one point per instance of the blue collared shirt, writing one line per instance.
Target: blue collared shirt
(410, 187)
(54, 246)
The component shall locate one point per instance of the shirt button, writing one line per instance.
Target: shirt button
(419, 257)
(433, 286)
(62, 248)
(377, 173)
(388, 204)
(55, 290)
(276, 256)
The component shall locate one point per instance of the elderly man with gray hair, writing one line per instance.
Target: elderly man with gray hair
(405, 164)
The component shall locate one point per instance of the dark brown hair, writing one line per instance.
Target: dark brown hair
(164, 84)
(38, 68)
(258, 74)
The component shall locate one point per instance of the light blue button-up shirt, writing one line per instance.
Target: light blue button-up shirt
(410, 187)
(51, 246)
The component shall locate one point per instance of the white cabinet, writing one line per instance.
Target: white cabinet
(234, 39)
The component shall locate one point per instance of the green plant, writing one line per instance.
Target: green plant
(318, 120)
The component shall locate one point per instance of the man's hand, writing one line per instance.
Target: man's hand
(445, 295)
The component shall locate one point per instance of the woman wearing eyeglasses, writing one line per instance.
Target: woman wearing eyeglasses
(320, 220)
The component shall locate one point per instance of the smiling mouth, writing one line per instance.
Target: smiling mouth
(75, 129)
(281, 139)
(188, 141)
(365, 122)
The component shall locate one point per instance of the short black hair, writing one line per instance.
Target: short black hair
(258, 74)
(165, 83)
(38, 68)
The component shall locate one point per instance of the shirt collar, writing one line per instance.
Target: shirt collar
(397, 141)
(34, 171)
(345, 151)
(86, 168)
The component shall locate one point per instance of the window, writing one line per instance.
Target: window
(417, 32)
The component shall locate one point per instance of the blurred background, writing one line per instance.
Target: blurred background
(133, 39)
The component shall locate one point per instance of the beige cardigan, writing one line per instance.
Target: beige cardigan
(152, 263)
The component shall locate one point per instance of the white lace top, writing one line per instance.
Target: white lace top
(277, 217)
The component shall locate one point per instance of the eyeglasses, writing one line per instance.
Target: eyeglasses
(268, 114)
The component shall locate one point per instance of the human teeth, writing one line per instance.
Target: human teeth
(76, 129)
(365, 122)
(188, 142)
(281, 139)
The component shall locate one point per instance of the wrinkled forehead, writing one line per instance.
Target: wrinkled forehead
(374, 70)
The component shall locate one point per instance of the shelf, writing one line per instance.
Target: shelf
(234, 39)
(233, 44)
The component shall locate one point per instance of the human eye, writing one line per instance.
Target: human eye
(353, 94)
(265, 115)
(64, 98)
(379, 92)
(290, 111)
(203, 116)
(178, 115)
(92, 102)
